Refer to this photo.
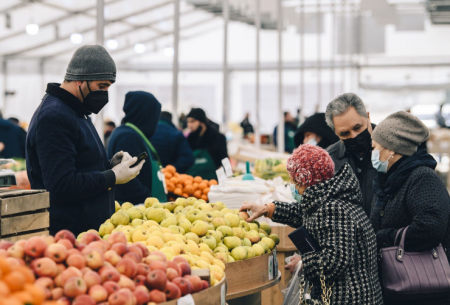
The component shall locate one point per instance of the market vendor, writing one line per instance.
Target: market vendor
(209, 145)
(64, 152)
(142, 112)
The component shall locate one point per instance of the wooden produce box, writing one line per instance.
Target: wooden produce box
(23, 214)
(211, 296)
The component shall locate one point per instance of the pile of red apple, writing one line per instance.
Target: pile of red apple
(95, 271)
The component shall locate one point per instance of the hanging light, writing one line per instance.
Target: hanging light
(139, 48)
(112, 44)
(32, 29)
(168, 51)
(76, 38)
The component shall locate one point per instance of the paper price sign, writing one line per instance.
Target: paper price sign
(221, 176)
(275, 264)
(227, 166)
(270, 268)
(222, 295)
(186, 300)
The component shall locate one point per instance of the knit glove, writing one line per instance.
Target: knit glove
(119, 158)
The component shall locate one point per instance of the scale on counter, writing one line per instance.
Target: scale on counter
(7, 176)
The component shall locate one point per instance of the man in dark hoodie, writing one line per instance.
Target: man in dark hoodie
(209, 146)
(315, 131)
(142, 112)
(171, 145)
(64, 152)
(13, 138)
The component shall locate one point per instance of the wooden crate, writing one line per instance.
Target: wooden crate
(211, 296)
(23, 214)
(285, 242)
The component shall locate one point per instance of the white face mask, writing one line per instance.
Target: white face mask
(380, 166)
(312, 141)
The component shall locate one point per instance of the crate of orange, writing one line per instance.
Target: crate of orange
(183, 185)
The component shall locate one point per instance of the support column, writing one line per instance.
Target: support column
(280, 134)
(175, 67)
(319, 57)
(100, 38)
(302, 60)
(5, 84)
(257, 101)
(225, 106)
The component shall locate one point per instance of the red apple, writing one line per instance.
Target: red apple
(121, 297)
(126, 282)
(84, 299)
(183, 284)
(157, 296)
(57, 293)
(173, 265)
(133, 256)
(144, 249)
(98, 293)
(136, 249)
(68, 273)
(172, 274)
(66, 243)
(89, 237)
(99, 245)
(205, 285)
(160, 254)
(142, 297)
(143, 288)
(45, 267)
(120, 248)
(49, 239)
(56, 252)
(156, 279)
(5, 244)
(65, 234)
(76, 260)
(35, 247)
(158, 266)
(127, 267)
(111, 287)
(94, 258)
(4, 253)
(45, 282)
(80, 246)
(16, 251)
(117, 238)
(58, 281)
(110, 274)
(185, 268)
(153, 258)
(112, 257)
(139, 280)
(61, 268)
(63, 301)
(92, 278)
(14, 262)
(196, 282)
(85, 270)
(21, 243)
(72, 251)
(179, 260)
(143, 269)
(172, 291)
(74, 287)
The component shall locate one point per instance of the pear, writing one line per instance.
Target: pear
(134, 213)
(239, 253)
(127, 205)
(265, 226)
(120, 218)
(149, 202)
(275, 238)
(117, 205)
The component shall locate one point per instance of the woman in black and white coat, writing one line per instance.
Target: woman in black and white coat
(329, 207)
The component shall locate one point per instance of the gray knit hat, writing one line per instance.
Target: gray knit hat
(91, 62)
(401, 132)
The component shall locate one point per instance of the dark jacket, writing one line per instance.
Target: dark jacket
(412, 194)
(316, 123)
(247, 126)
(289, 133)
(14, 138)
(340, 156)
(66, 157)
(331, 212)
(172, 146)
(141, 109)
(213, 141)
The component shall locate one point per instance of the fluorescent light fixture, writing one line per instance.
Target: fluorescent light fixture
(32, 29)
(168, 51)
(76, 38)
(139, 48)
(112, 44)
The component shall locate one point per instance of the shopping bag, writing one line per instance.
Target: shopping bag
(292, 292)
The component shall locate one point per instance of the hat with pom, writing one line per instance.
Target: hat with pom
(309, 165)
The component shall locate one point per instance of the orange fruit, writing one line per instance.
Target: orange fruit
(203, 185)
(195, 186)
(204, 197)
(213, 182)
(15, 280)
(197, 194)
(206, 191)
(4, 289)
(4, 266)
(171, 169)
(164, 170)
(24, 296)
(187, 182)
(37, 292)
(179, 186)
(167, 175)
(185, 195)
(170, 186)
(189, 189)
(11, 301)
(198, 179)
(178, 191)
(174, 180)
(27, 274)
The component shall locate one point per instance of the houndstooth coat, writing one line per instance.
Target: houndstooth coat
(331, 211)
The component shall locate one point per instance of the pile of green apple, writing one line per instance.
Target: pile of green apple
(191, 227)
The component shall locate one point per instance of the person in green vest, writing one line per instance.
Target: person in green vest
(142, 112)
(209, 145)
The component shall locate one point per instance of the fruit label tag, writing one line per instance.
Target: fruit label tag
(222, 295)
(270, 267)
(221, 176)
(186, 300)
(275, 264)
(227, 166)
(163, 180)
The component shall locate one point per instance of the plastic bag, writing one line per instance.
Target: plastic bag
(292, 292)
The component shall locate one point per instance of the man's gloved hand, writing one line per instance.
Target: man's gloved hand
(119, 157)
(124, 173)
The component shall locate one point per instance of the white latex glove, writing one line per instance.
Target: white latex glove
(119, 157)
(124, 173)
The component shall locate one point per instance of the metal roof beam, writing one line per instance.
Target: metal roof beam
(18, 5)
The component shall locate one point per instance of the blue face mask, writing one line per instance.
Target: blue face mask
(380, 166)
(295, 193)
(312, 141)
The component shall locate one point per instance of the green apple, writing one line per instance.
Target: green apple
(195, 214)
(169, 221)
(178, 209)
(106, 236)
(180, 202)
(140, 235)
(269, 241)
(211, 226)
(210, 241)
(246, 242)
(250, 252)
(127, 205)
(170, 206)
(192, 236)
(239, 253)
(238, 232)
(134, 213)
(80, 235)
(137, 222)
(106, 229)
(221, 256)
(149, 202)
(244, 225)
(253, 236)
(218, 206)
(232, 242)
(265, 226)
(253, 226)
(216, 234)
(226, 231)
(120, 218)
(199, 227)
(176, 229)
(221, 249)
(233, 219)
(275, 238)
(226, 211)
(205, 207)
(218, 221)
(157, 215)
(209, 216)
(190, 201)
(265, 246)
(259, 250)
(217, 214)
(117, 205)
(158, 205)
(185, 224)
(263, 232)
(221, 245)
(230, 259)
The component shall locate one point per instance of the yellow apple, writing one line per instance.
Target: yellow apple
(155, 241)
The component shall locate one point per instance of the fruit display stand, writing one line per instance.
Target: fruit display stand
(211, 296)
(285, 249)
(248, 278)
(23, 214)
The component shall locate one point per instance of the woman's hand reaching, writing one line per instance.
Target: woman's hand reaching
(294, 261)
(258, 210)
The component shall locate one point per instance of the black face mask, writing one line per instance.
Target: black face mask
(95, 100)
(359, 144)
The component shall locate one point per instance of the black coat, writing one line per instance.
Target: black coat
(213, 141)
(317, 124)
(14, 138)
(66, 157)
(412, 194)
(331, 212)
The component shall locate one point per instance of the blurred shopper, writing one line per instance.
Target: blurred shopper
(171, 145)
(209, 146)
(328, 211)
(109, 128)
(408, 191)
(347, 116)
(12, 139)
(247, 126)
(64, 152)
(182, 121)
(142, 112)
(315, 131)
(213, 125)
(289, 133)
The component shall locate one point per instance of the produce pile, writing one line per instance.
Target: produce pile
(268, 169)
(207, 235)
(185, 185)
(90, 271)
